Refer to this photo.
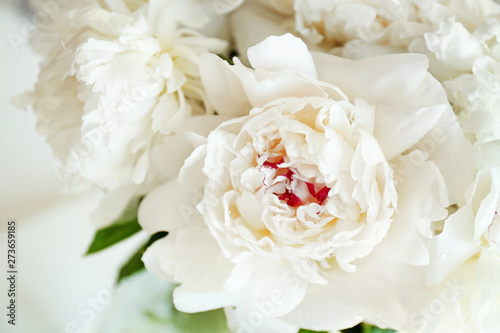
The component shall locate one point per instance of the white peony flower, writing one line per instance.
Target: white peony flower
(465, 264)
(316, 207)
(466, 254)
(120, 79)
(467, 251)
(347, 28)
(441, 29)
(352, 23)
(474, 95)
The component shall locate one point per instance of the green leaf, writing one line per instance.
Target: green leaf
(135, 263)
(355, 329)
(373, 329)
(111, 235)
(361, 328)
(125, 226)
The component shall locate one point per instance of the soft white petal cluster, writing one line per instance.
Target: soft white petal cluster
(444, 30)
(466, 255)
(119, 79)
(467, 252)
(475, 93)
(465, 264)
(316, 209)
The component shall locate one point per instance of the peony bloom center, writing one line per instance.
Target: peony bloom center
(289, 185)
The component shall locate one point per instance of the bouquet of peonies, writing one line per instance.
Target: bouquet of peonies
(301, 164)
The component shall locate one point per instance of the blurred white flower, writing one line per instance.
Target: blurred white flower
(475, 94)
(465, 264)
(352, 29)
(468, 248)
(308, 217)
(119, 79)
(466, 253)
(442, 29)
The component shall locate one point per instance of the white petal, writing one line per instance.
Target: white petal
(152, 257)
(398, 129)
(277, 53)
(186, 301)
(383, 80)
(454, 45)
(252, 23)
(421, 200)
(111, 206)
(167, 208)
(380, 292)
(167, 158)
(452, 152)
(453, 246)
(191, 175)
(237, 322)
(224, 89)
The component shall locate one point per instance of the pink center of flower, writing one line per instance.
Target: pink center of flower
(289, 186)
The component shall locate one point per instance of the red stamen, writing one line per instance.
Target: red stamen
(290, 198)
(273, 162)
(322, 194)
(311, 189)
(294, 201)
